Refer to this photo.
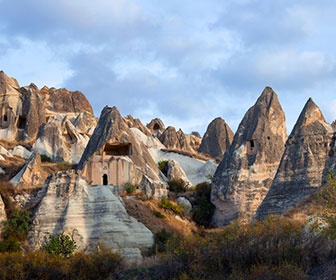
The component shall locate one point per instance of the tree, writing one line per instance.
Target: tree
(61, 246)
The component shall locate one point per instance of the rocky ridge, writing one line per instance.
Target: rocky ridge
(245, 174)
(309, 154)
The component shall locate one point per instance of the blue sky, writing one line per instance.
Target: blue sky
(186, 62)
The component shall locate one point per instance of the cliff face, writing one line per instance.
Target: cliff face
(310, 152)
(217, 139)
(91, 215)
(245, 174)
(24, 109)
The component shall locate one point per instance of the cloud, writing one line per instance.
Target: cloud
(186, 64)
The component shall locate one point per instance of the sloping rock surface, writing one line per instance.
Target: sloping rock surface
(91, 215)
(112, 128)
(31, 174)
(217, 139)
(175, 172)
(245, 174)
(310, 152)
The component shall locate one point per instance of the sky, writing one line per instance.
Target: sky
(186, 62)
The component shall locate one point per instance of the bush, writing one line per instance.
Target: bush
(10, 245)
(163, 164)
(129, 188)
(158, 214)
(61, 246)
(203, 209)
(166, 204)
(45, 158)
(177, 186)
(161, 239)
(18, 224)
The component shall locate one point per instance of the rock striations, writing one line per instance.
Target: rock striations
(217, 139)
(91, 215)
(113, 140)
(245, 174)
(310, 152)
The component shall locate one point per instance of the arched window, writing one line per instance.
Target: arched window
(105, 181)
(156, 127)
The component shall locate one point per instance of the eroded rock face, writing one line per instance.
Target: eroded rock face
(3, 216)
(156, 126)
(333, 125)
(24, 109)
(310, 152)
(31, 174)
(217, 139)
(111, 140)
(245, 174)
(136, 123)
(175, 172)
(61, 140)
(91, 215)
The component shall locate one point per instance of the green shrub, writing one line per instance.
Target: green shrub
(203, 209)
(163, 166)
(130, 188)
(18, 224)
(166, 204)
(45, 158)
(158, 214)
(10, 245)
(177, 186)
(161, 239)
(61, 246)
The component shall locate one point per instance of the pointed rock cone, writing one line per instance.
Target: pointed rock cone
(308, 155)
(246, 172)
(217, 139)
(114, 156)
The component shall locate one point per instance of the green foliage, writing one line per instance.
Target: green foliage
(100, 264)
(130, 188)
(45, 158)
(166, 204)
(61, 246)
(158, 214)
(17, 226)
(63, 165)
(162, 166)
(203, 209)
(161, 239)
(10, 245)
(176, 186)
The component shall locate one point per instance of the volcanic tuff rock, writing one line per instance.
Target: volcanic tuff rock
(310, 152)
(175, 172)
(91, 215)
(136, 123)
(333, 124)
(112, 129)
(31, 173)
(246, 172)
(2, 213)
(24, 109)
(61, 140)
(217, 139)
(156, 126)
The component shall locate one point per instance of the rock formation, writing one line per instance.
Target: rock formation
(91, 215)
(217, 139)
(24, 109)
(114, 156)
(175, 172)
(136, 123)
(31, 174)
(310, 152)
(61, 140)
(333, 125)
(21, 151)
(245, 174)
(156, 126)
(3, 216)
